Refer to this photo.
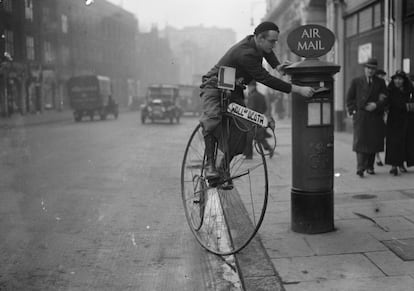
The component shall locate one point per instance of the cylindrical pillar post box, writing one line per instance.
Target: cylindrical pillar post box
(312, 147)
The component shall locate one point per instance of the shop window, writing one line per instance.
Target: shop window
(30, 51)
(351, 25)
(365, 19)
(409, 7)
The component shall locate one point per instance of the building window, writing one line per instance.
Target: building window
(377, 15)
(28, 11)
(30, 51)
(9, 42)
(64, 21)
(65, 55)
(409, 7)
(48, 52)
(365, 19)
(46, 15)
(7, 4)
(351, 25)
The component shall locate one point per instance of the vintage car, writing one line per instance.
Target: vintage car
(90, 95)
(161, 104)
(190, 101)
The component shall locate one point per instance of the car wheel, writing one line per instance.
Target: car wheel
(77, 116)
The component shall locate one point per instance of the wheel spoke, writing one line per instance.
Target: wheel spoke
(223, 221)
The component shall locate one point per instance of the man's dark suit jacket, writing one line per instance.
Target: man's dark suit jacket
(247, 59)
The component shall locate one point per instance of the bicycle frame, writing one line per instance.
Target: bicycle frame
(229, 110)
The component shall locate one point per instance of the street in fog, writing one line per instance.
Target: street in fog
(96, 205)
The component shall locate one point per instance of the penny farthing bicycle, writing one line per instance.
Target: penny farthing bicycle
(225, 214)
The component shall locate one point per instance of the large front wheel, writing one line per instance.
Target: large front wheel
(223, 221)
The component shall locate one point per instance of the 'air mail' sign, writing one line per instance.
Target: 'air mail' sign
(311, 41)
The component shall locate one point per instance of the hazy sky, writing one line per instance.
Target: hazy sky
(234, 14)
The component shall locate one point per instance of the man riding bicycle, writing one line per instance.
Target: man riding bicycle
(246, 57)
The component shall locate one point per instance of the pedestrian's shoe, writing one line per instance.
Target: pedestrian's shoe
(403, 169)
(379, 163)
(394, 171)
(210, 168)
(371, 171)
(360, 173)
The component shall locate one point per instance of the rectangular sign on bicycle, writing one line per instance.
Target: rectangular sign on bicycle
(248, 114)
(226, 78)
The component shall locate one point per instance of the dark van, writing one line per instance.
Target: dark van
(90, 95)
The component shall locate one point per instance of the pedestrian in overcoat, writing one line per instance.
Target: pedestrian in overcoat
(365, 102)
(400, 124)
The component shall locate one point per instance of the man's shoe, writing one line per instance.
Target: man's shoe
(379, 163)
(371, 171)
(360, 173)
(211, 172)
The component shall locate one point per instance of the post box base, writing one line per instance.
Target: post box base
(312, 212)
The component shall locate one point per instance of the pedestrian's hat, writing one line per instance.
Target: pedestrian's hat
(399, 73)
(371, 63)
(265, 26)
(381, 72)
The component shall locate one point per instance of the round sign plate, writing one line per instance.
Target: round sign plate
(311, 41)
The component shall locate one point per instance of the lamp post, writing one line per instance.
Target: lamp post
(254, 5)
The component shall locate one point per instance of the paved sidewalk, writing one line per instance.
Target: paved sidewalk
(355, 256)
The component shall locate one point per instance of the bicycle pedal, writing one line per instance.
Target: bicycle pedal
(228, 185)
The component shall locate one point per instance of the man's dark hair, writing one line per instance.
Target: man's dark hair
(265, 26)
